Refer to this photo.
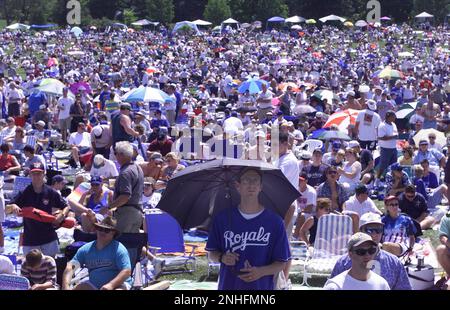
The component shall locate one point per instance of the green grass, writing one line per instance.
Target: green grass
(3, 23)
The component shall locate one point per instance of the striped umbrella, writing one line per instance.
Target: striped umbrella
(51, 86)
(253, 85)
(326, 94)
(406, 110)
(342, 119)
(390, 74)
(146, 94)
(284, 86)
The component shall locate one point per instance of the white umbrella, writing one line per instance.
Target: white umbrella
(295, 19)
(230, 21)
(424, 15)
(303, 109)
(200, 22)
(77, 31)
(405, 54)
(142, 22)
(424, 133)
(18, 26)
(296, 27)
(332, 18)
(361, 23)
(75, 53)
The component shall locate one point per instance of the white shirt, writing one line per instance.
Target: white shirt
(308, 197)
(344, 281)
(108, 170)
(368, 123)
(80, 139)
(6, 132)
(64, 105)
(354, 205)
(267, 95)
(232, 124)
(387, 130)
(288, 164)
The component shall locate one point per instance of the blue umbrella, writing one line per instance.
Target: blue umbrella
(146, 94)
(317, 133)
(253, 85)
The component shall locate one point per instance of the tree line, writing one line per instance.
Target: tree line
(102, 12)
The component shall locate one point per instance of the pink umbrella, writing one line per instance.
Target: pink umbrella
(76, 87)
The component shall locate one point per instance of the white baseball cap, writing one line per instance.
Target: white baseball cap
(370, 218)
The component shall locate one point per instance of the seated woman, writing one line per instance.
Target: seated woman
(93, 205)
(8, 165)
(350, 174)
(333, 190)
(399, 230)
(407, 158)
(310, 225)
(18, 142)
(172, 167)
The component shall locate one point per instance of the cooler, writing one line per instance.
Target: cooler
(421, 278)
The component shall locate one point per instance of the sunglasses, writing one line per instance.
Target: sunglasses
(103, 230)
(432, 138)
(370, 231)
(362, 252)
(393, 205)
(332, 172)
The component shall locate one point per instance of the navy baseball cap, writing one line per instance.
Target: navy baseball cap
(96, 180)
(58, 178)
(37, 167)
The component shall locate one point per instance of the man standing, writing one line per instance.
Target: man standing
(361, 251)
(64, 104)
(39, 235)
(264, 102)
(121, 125)
(366, 126)
(107, 260)
(128, 191)
(386, 265)
(387, 139)
(248, 264)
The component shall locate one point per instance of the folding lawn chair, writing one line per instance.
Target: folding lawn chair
(333, 233)
(300, 257)
(20, 183)
(312, 144)
(165, 233)
(31, 140)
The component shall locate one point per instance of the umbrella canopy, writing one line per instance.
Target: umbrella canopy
(199, 192)
(75, 53)
(276, 19)
(295, 19)
(77, 87)
(361, 23)
(151, 70)
(284, 62)
(332, 17)
(405, 54)
(76, 31)
(182, 25)
(253, 85)
(424, 133)
(303, 109)
(51, 86)
(18, 26)
(406, 110)
(200, 22)
(146, 94)
(424, 15)
(348, 24)
(389, 73)
(145, 22)
(385, 18)
(310, 21)
(296, 27)
(230, 21)
(72, 73)
(326, 94)
(342, 119)
(333, 134)
(284, 86)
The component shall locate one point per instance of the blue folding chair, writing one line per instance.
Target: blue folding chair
(10, 282)
(165, 233)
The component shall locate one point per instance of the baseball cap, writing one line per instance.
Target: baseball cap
(157, 157)
(389, 198)
(98, 159)
(370, 218)
(336, 145)
(58, 179)
(125, 106)
(351, 93)
(389, 113)
(317, 150)
(98, 130)
(371, 104)
(353, 144)
(96, 180)
(41, 123)
(396, 167)
(306, 155)
(423, 142)
(358, 239)
(37, 166)
(42, 107)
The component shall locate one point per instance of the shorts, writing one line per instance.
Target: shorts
(50, 249)
(125, 286)
(84, 150)
(368, 145)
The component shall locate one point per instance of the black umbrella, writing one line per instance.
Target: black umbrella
(199, 192)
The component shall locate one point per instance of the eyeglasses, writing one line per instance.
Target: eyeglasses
(332, 172)
(373, 230)
(393, 205)
(103, 230)
(362, 252)
(325, 209)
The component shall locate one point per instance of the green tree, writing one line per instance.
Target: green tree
(129, 16)
(438, 8)
(161, 10)
(217, 11)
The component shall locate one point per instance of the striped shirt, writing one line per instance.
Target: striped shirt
(44, 273)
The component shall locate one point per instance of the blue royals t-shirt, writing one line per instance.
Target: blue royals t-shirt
(259, 242)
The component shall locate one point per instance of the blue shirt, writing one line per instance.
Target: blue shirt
(386, 265)
(432, 155)
(35, 100)
(103, 265)
(398, 230)
(260, 241)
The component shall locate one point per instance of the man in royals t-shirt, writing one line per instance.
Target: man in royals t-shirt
(249, 241)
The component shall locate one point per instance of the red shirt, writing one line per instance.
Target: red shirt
(163, 148)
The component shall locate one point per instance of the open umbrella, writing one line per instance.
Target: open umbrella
(199, 192)
(51, 86)
(284, 62)
(151, 70)
(342, 119)
(76, 31)
(406, 110)
(253, 85)
(390, 74)
(310, 21)
(326, 94)
(361, 23)
(18, 26)
(348, 24)
(424, 133)
(284, 86)
(76, 87)
(146, 94)
(405, 54)
(303, 109)
(333, 134)
(75, 53)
